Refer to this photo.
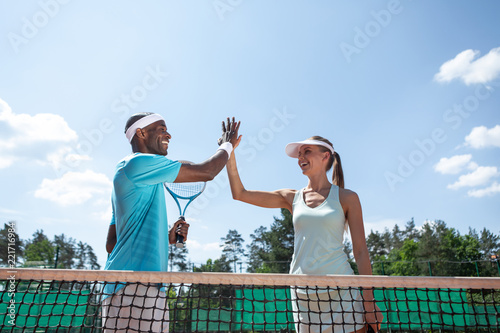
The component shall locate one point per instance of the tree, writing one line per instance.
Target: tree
(387, 241)
(65, 251)
(468, 249)
(177, 257)
(223, 264)
(271, 251)
(11, 246)
(86, 258)
(218, 265)
(377, 250)
(210, 295)
(489, 246)
(40, 250)
(405, 259)
(375, 244)
(350, 259)
(410, 231)
(256, 248)
(233, 247)
(207, 267)
(397, 237)
(430, 243)
(92, 261)
(81, 254)
(489, 243)
(433, 249)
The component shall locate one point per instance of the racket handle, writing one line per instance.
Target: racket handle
(180, 239)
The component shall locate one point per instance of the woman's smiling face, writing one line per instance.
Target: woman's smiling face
(311, 159)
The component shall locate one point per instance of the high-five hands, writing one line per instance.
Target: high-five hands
(230, 132)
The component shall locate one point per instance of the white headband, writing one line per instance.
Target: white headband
(292, 149)
(141, 123)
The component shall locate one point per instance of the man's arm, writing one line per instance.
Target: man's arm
(111, 239)
(204, 171)
(210, 168)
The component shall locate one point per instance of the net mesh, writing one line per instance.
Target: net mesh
(185, 190)
(74, 301)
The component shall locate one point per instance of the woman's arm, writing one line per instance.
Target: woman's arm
(275, 199)
(354, 217)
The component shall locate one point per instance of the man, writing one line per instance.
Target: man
(138, 237)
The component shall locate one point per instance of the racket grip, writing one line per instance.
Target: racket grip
(180, 239)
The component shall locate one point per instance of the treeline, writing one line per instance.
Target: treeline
(40, 251)
(433, 249)
(269, 252)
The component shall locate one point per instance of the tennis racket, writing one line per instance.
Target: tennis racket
(182, 192)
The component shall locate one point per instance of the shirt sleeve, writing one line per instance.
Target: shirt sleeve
(112, 217)
(146, 169)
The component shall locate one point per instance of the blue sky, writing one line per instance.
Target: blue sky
(407, 91)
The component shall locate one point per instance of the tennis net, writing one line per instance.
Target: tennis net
(45, 300)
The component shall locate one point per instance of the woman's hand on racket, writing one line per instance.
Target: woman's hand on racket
(180, 227)
(230, 132)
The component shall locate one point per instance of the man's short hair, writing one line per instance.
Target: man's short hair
(133, 118)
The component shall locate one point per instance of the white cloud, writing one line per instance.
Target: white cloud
(64, 156)
(482, 137)
(40, 137)
(199, 252)
(74, 188)
(40, 127)
(104, 214)
(454, 164)
(430, 223)
(6, 161)
(488, 191)
(380, 224)
(470, 69)
(195, 245)
(478, 177)
(10, 211)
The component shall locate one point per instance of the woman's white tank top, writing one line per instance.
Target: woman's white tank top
(319, 233)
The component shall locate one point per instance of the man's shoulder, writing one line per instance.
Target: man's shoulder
(142, 160)
(140, 157)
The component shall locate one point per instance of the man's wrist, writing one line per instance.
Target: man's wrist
(226, 146)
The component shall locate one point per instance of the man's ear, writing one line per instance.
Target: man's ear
(139, 133)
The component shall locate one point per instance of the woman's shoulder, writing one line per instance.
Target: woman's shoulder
(348, 195)
(287, 192)
(349, 200)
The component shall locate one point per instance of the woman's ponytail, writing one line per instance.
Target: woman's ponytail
(337, 174)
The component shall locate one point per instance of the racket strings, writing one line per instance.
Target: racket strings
(186, 190)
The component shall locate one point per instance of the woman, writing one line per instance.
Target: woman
(321, 212)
